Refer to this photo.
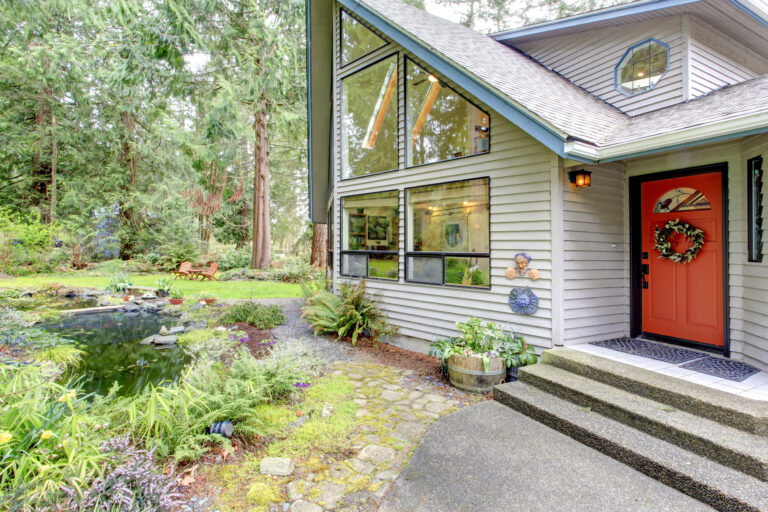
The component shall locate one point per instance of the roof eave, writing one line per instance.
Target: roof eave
(536, 127)
(695, 136)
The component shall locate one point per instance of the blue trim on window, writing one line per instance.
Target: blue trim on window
(616, 69)
(533, 127)
(586, 19)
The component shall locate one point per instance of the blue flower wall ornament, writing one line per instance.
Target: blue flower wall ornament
(523, 301)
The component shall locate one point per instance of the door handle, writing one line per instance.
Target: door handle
(644, 271)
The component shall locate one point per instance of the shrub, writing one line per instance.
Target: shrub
(130, 483)
(63, 355)
(346, 316)
(26, 243)
(173, 255)
(119, 283)
(237, 274)
(252, 313)
(235, 258)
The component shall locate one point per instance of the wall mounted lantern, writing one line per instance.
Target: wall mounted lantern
(580, 178)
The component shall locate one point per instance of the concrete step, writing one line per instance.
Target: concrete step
(719, 486)
(720, 406)
(729, 446)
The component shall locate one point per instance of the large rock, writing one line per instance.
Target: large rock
(176, 330)
(149, 340)
(131, 308)
(305, 506)
(376, 454)
(165, 340)
(276, 466)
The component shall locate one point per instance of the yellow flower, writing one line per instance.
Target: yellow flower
(5, 437)
(67, 396)
(46, 434)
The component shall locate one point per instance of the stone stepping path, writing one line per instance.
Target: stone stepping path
(393, 419)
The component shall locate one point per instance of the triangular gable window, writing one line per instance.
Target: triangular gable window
(357, 40)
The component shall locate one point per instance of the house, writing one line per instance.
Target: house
(602, 172)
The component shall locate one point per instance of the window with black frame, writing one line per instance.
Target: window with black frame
(448, 234)
(755, 209)
(441, 123)
(370, 235)
(369, 119)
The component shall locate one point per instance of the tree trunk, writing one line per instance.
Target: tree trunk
(126, 211)
(319, 255)
(54, 163)
(39, 168)
(260, 254)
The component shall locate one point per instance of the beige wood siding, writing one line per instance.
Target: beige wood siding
(716, 60)
(596, 273)
(588, 59)
(520, 172)
(748, 282)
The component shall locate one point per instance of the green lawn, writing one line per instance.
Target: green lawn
(222, 289)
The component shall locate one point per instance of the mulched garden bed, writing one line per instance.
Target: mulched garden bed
(257, 339)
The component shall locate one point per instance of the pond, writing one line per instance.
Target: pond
(113, 353)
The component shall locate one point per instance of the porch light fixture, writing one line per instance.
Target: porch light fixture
(580, 178)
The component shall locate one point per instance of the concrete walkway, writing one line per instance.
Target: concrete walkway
(489, 458)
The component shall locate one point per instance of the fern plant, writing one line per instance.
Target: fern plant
(63, 355)
(345, 316)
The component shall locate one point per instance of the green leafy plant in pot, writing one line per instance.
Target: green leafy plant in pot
(164, 287)
(478, 359)
(206, 297)
(176, 296)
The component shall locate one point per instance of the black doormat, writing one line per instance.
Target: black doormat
(723, 368)
(649, 349)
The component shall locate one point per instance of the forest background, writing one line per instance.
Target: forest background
(163, 130)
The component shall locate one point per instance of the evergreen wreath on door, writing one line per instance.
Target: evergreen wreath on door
(694, 235)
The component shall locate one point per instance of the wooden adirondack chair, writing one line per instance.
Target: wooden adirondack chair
(208, 274)
(185, 270)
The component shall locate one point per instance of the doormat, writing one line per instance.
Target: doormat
(649, 349)
(723, 368)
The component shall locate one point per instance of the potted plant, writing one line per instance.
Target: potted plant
(478, 359)
(119, 284)
(176, 296)
(164, 287)
(206, 297)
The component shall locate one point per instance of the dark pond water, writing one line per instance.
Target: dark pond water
(113, 353)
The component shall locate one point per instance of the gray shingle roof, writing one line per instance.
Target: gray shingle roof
(730, 102)
(552, 98)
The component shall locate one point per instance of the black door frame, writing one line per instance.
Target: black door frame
(635, 253)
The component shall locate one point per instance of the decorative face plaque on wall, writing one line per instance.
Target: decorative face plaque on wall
(522, 260)
(523, 300)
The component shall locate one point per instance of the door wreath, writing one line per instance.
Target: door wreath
(694, 235)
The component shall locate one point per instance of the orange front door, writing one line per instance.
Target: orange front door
(684, 300)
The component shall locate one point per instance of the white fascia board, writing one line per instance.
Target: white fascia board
(730, 128)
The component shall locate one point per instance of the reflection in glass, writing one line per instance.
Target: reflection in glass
(642, 67)
(468, 271)
(383, 267)
(354, 264)
(369, 119)
(425, 269)
(441, 123)
(356, 39)
(450, 217)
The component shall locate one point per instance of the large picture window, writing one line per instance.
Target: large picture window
(357, 40)
(370, 235)
(441, 123)
(448, 233)
(369, 119)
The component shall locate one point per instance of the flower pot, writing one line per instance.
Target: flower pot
(127, 298)
(209, 301)
(512, 373)
(467, 373)
(162, 293)
(176, 302)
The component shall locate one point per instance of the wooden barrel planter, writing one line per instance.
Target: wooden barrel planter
(467, 373)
